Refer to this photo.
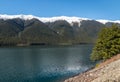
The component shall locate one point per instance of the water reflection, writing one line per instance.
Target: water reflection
(47, 64)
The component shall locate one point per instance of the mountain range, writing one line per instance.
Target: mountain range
(33, 30)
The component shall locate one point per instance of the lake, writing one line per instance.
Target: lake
(43, 63)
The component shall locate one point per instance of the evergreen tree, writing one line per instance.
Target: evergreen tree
(108, 43)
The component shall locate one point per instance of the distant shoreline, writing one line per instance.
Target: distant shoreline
(44, 44)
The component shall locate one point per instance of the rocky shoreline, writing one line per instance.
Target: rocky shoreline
(108, 71)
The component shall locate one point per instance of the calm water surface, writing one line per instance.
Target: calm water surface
(43, 64)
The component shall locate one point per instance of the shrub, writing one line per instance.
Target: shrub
(107, 44)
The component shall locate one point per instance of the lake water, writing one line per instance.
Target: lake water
(43, 63)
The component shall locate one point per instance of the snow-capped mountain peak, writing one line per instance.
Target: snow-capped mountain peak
(106, 21)
(70, 20)
(25, 17)
(43, 19)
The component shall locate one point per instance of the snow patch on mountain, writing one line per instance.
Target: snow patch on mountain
(70, 20)
(25, 17)
(106, 21)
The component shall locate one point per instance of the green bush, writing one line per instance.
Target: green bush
(107, 44)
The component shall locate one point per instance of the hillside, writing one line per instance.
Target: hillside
(108, 71)
(29, 29)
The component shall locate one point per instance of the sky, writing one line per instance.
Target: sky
(93, 9)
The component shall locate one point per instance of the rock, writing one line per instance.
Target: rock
(109, 71)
